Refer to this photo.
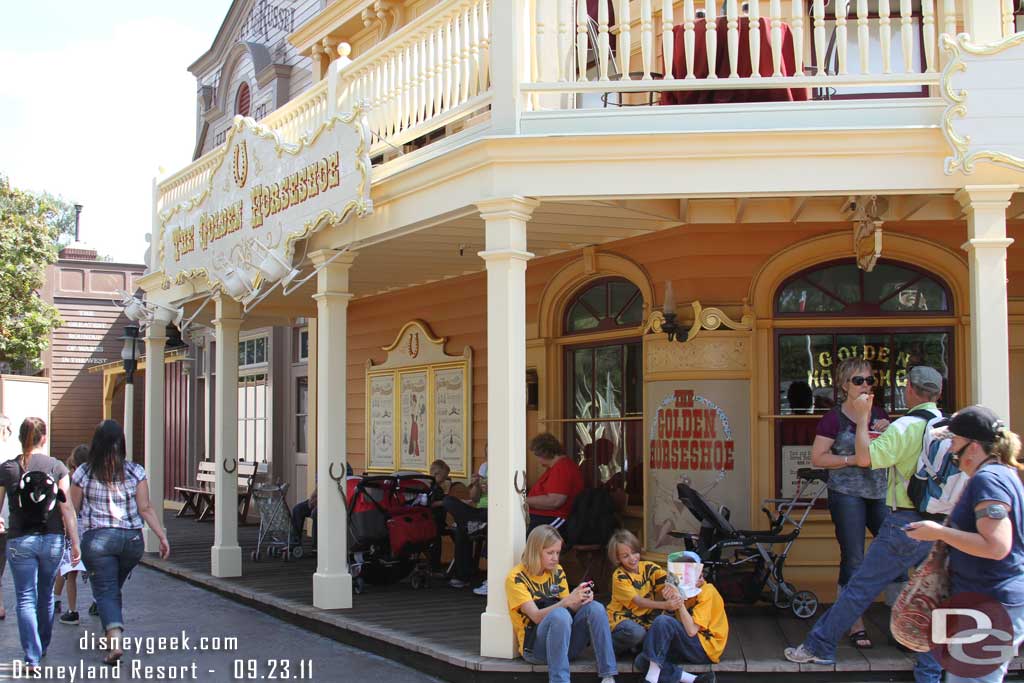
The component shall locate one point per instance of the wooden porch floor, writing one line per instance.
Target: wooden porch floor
(438, 629)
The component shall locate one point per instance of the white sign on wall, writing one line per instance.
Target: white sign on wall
(268, 191)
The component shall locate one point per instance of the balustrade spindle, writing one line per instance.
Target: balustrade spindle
(819, 37)
(863, 36)
(668, 45)
(582, 39)
(928, 34)
(439, 63)
(429, 87)
(711, 37)
(457, 61)
(646, 37)
(564, 46)
(602, 39)
(775, 16)
(732, 33)
(797, 12)
(842, 11)
(885, 35)
(907, 35)
(949, 17)
(446, 56)
(408, 80)
(417, 84)
(754, 19)
(485, 47)
(625, 34)
(394, 94)
(1009, 25)
(466, 72)
(540, 20)
(689, 37)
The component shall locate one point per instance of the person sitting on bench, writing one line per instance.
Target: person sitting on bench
(469, 515)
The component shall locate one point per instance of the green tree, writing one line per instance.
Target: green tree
(61, 218)
(28, 243)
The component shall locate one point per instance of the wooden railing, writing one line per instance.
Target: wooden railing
(300, 116)
(898, 46)
(425, 76)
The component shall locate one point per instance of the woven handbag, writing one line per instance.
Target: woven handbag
(911, 620)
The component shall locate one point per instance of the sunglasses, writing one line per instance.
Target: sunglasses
(858, 380)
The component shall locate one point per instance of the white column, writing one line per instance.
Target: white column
(129, 418)
(506, 258)
(983, 20)
(226, 555)
(508, 59)
(155, 373)
(332, 582)
(986, 249)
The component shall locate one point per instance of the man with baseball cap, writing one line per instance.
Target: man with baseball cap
(892, 552)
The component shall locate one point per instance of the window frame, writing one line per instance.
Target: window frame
(243, 87)
(602, 326)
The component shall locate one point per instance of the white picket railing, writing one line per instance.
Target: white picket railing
(300, 116)
(425, 76)
(590, 64)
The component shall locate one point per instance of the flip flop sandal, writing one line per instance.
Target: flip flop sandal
(858, 637)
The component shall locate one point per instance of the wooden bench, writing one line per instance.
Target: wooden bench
(199, 499)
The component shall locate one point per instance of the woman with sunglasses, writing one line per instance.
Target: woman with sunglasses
(856, 495)
(985, 533)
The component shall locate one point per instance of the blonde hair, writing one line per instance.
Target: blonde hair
(845, 371)
(539, 540)
(621, 537)
(440, 466)
(1006, 449)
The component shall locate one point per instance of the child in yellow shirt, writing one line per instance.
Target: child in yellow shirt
(636, 586)
(696, 635)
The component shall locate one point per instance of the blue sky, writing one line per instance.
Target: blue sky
(95, 97)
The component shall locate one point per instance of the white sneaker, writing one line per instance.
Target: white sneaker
(456, 583)
(801, 655)
(481, 589)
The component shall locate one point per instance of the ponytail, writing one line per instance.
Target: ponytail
(1007, 449)
(31, 434)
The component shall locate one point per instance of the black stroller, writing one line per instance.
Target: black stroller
(743, 564)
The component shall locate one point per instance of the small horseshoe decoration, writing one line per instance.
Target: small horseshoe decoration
(234, 466)
(520, 488)
(330, 472)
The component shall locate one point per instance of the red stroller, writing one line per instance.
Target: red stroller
(390, 529)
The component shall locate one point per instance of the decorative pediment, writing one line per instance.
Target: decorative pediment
(416, 345)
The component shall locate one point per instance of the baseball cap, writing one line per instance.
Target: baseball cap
(977, 423)
(925, 377)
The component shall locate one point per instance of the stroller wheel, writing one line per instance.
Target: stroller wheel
(804, 604)
(296, 552)
(418, 581)
(358, 585)
(255, 556)
(784, 593)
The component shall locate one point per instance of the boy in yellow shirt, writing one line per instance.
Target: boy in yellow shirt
(696, 635)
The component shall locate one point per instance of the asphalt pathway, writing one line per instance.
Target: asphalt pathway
(205, 638)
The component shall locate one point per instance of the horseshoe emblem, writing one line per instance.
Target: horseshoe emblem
(234, 466)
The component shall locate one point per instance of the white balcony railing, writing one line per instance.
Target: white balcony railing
(854, 44)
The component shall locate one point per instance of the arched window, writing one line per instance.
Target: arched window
(605, 305)
(843, 289)
(242, 100)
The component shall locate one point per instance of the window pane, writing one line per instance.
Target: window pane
(634, 313)
(241, 353)
(875, 349)
(301, 394)
(300, 434)
(261, 350)
(621, 293)
(921, 348)
(634, 379)
(250, 352)
(609, 382)
(803, 297)
(304, 344)
(597, 299)
(884, 280)
(805, 373)
(841, 281)
(583, 390)
(924, 295)
(581, 319)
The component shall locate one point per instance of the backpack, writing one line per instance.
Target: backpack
(937, 482)
(33, 499)
(593, 520)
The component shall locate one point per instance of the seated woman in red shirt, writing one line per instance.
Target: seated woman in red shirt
(551, 498)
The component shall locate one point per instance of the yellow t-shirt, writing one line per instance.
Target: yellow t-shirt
(708, 611)
(646, 583)
(521, 587)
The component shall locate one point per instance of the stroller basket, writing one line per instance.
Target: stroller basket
(276, 537)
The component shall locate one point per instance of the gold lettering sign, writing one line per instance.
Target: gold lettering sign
(219, 224)
(319, 176)
(184, 241)
(822, 375)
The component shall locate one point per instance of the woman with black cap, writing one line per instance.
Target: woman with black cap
(986, 528)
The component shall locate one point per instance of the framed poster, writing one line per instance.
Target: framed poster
(450, 408)
(413, 449)
(380, 442)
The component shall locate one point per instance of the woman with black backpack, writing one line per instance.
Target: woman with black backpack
(41, 515)
(112, 495)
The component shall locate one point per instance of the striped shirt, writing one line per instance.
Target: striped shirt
(109, 506)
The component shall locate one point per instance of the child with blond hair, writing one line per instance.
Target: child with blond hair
(67, 575)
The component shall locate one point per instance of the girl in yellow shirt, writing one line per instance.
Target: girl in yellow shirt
(636, 586)
(552, 625)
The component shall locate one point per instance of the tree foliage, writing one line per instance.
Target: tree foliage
(28, 243)
(61, 219)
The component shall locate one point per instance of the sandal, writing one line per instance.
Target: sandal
(860, 640)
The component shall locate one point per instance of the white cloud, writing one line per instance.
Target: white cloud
(92, 121)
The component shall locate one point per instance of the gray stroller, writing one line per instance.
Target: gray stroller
(276, 536)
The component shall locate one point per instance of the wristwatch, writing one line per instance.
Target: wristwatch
(991, 511)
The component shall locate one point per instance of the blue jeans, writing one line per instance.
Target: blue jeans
(109, 556)
(850, 516)
(890, 555)
(34, 561)
(669, 645)
(562, 636)
(1017, 619)
(627, 636)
